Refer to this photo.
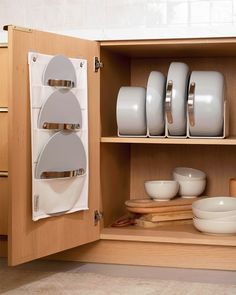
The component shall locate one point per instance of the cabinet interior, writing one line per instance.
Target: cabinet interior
(126, 164)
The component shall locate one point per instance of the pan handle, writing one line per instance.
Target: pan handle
(61, 83)
(168, 102)
(191, 97)
(62, 174)
(61, 126)
(3, 174)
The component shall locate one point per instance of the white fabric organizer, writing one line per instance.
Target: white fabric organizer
(59, 134)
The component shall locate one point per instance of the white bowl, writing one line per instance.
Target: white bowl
(178, 76)
(191, 188)
(131, 111)
(162, 190)
(216, 207)
(155, 103)
(210, 226)
(185, 173)
(208, 103)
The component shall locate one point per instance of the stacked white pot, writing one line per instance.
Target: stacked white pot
(215, 215)
(192, 182)
(182, 105)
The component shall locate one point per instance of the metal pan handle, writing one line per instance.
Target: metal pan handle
(3, 174)
(191, 97)
(62, 174)
(168, 102)
(61, 83)
(3, 110)
(61, 126)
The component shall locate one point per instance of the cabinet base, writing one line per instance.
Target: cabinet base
(153, 254)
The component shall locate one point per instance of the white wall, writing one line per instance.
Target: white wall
(123, 19)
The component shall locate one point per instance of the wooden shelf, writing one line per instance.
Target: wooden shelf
(177, 234)
(195, 141)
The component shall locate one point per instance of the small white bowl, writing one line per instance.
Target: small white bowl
(216, 207)
(185, 173)
(162, 190)
(210, 226)
(191, 188)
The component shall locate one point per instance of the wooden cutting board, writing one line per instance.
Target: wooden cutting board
(149, 224)
(167, 216)
(159, 209)
(148, 203)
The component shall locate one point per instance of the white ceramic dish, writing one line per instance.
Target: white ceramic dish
(206, 104)
(162, 190)
(191, 188)
(131, 111)
(176, 98)
(210, 226)
(226, 218)
(215, 207)
(185, 173)
(155, 103)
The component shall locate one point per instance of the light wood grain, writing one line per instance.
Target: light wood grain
(30, 240)
(148, 203)
(149, 224)
(3, 205)
(115, 181)
(200, 47)
(158, 209)
(156, 162)
(115, 73)
(167, 216)
(4, 76)
(178, 233)
(3, 141)
(153, 254)
(166, 141)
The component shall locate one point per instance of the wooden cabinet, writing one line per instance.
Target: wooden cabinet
(118, 166)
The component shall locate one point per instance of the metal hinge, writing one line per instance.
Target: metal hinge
(97, 64)
(97, 216)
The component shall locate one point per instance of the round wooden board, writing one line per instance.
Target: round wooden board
(148, 203)
(158, 209)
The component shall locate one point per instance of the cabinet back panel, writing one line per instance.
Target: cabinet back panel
(149, 162)
(140, 69)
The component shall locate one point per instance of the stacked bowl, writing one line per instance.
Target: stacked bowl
(215, 215)
(192, 182)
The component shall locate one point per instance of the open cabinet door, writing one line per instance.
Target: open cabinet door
(29, 240)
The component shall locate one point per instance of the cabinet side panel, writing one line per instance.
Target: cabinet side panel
(29, 240)
(3, 205)
(116, 73)
(4, 76)
(115, 180)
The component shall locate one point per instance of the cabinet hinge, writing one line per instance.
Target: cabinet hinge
(97, 64)
(97, 216)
